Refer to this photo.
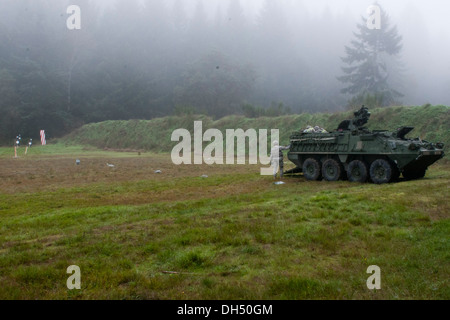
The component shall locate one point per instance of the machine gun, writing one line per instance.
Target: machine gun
(361, 118)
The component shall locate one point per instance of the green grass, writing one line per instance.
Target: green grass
(301, 240)
(60, 149)
(430, 122)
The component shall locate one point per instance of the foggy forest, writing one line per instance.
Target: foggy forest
(151, 58)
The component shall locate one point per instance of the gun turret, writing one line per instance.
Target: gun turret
(361, 118)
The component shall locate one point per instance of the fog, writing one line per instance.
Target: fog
(151, 58)
(424, 26)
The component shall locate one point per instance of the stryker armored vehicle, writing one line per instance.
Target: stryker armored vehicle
(355, 153)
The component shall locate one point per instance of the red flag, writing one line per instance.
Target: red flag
(43, 142)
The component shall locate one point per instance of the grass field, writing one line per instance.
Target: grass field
(136, 234)
(431, 123)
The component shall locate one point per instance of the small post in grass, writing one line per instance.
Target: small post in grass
(16, 144)
(30, 142)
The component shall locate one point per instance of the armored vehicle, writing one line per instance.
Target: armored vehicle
(355, 153)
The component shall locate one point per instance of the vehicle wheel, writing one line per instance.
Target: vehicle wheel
(357, 171)
(311, 169)
(332, 170)
(414, 174)
(381, 171)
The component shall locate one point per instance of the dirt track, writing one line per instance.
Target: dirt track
(50, 173)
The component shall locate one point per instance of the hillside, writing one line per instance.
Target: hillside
(431, 123)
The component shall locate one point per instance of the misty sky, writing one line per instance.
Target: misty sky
(424, 26)
(434, 12)
(212, 57)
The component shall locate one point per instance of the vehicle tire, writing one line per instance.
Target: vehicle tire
(381, 171)
(311, 169)
(357, 171)
(332, 170)
(414, 174)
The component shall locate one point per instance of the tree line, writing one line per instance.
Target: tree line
(146, 59)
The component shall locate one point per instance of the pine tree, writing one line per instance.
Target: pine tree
(371, 63)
